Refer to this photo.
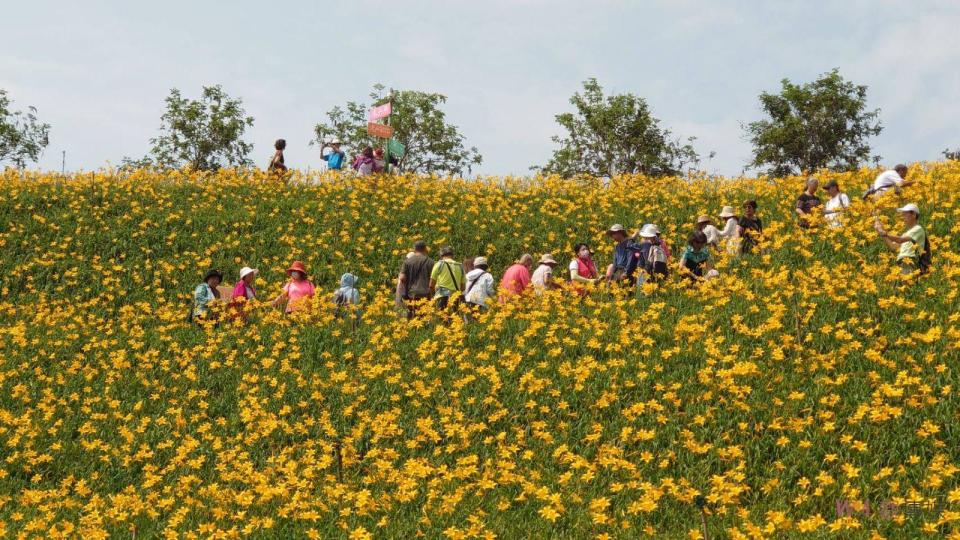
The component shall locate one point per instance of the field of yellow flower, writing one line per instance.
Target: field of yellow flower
(801, 384)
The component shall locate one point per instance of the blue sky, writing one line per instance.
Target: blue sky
(98, 71)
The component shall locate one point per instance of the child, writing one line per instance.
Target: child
(347, 295)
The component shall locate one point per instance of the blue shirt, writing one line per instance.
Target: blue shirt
(334, 160)
(626, 257)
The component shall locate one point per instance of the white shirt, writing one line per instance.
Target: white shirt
(713, 234)
(480, 283)
(731, 229)
(886, 180)
(839, 202)
(541, 276)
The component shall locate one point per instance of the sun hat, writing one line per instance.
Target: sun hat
(830, 184)
(213, 272)
(616, 227)
(297, 266)
(480, 261)
(335, 141)
(246, 270)
(447, 251)
(727, 212)
(546, 258)
(703, 218)
(910, 208)
(648, 231)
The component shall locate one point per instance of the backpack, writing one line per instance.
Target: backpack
(926, 257)
(656, 261)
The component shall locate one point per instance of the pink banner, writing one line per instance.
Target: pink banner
(380, 111)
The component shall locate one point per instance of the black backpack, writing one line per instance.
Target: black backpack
(926, 257)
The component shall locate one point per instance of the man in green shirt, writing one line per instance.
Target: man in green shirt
(911, 245)
(446, 278)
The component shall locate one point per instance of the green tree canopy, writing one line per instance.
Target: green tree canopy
(22, 136)
(817, 125)
(432, 144)
(609, 135)
(203, 134)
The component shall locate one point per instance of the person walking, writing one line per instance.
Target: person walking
(695, 262)
(894, 179)
(446, 278)
(363, 163)
(706, 226)
(205, 295)
(415, 277)
(751, 227)
(583, 271)
(626, 256)
(517, 277)
(480, 285)
(276, 162)
(913, 250)
(731, 233)
(806, 202)
(296, 294)
(244, 291)
(542, 278)
(836, 205)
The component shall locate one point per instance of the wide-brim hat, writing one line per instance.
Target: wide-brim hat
(616, 227)
(546, 259)
(703, 218)
(335, 141)
(246, 271)
(727, 212)
(297, 266)
(649, 231)
(213, 272)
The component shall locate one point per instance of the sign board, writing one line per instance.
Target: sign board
(379, 130)
(396, 148)
(380, 111)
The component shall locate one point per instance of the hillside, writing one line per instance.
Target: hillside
(803, 379)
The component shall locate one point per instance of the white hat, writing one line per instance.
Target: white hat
(649, 231)
(335, 140)
(727, 212)
(545, 259)
(246, 270)
(480, 261)
(910, 208)
(616, 227)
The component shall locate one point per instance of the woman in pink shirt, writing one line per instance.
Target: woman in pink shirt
(517, 278)
(298, 290)
(244, 289)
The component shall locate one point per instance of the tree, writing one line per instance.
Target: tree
(203, 134)
(22, 136)
(432, 145)
(609, 135)
(952, 154)
(823, 124)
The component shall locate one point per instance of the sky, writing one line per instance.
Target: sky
(98, 71)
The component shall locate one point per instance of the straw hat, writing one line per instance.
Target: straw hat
(703, 218)
(545, 259)
(297, 266)
(727, 212)
(616, 227)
